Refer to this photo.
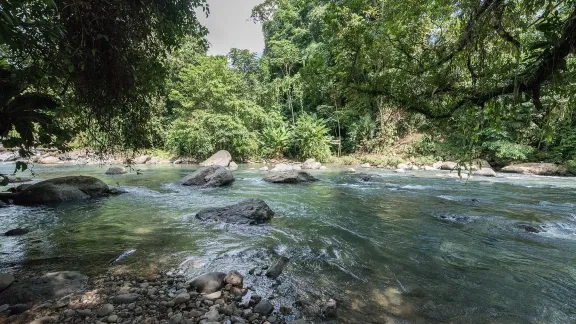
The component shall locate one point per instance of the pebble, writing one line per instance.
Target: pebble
(105, 310)
(181, 298)
(238, 320)
(18, 309)
(83, 313)
(112, 319)
(213, 296)
(263, 307)
(4, 307)
(176, 319)
(125, 298)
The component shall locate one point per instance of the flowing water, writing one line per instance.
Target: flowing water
(419, 247)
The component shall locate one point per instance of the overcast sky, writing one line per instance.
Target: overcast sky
(229, 26)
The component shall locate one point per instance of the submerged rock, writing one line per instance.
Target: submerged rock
(17, 232)
(50, 286)
(212, 176)
(6, 280)
(208, 283)
(50, 160)
(311, 164)
(62, 189)
(248, 212)
(545, 169)
(115, 170)
(263, 307)
(276, 270)
(290, 177)
(484, 172)
(529, 228)
(329, 309)
(220, 158)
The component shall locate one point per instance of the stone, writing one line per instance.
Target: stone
(228, 309)
(83, 313)
(290, 177)
(276, 269)
(403, 166)
(212, 176)
(543, 169)
(529, 228)
(400, 171)
(142, 159)
(237, 320)
(112, 319)
(437, 165)
(45, 320)
(311, 164)
(213, 296)
(264, 168)
(181, 298)
(234, 278)
(105, 310)
(212, 315)
(17, 179)
(69, 313)
(50, 160)
(232, 166)
(196, 313)
(17, 232)
(126, 298)
(8, 157)
(23, 187)
(18, 309)
(365, 165)
(484, 172)
(247, 212)
(285, 310)
(51, 286)
(208, 282)
(176, 319)
(329, 309)
(178, 162)
(351, 170)
(429, 168)
(283, 167)
(4, 308)
(221, 158)
(264, 308)
(115, 170)
(448, 165)
(62, 189)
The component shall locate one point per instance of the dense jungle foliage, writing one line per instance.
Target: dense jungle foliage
(454, 79)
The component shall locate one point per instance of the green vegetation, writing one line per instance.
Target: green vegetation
(391, 80)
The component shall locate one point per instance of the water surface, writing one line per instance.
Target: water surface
(410, 248)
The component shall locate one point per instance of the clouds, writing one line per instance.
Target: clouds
(229, 26)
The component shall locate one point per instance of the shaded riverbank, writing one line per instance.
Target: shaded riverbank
(417, 246)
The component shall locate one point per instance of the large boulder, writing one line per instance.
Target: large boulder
(311, 164)
(50, 160)
(62, 189)
(221, 158)
(485, 172)
(247, 212)
(290, 177)
(51, 286)
(478, 164)
(283, 167)
(142, 159)
(115, 170)
(448, 165)
(208, 282)
(548, 169)
(8, 156)
(212, 176)
(232, 166)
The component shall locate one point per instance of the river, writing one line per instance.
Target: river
(418, 247)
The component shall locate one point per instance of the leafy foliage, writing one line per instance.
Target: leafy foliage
(310, 138)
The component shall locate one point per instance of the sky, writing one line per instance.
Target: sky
(229, 26)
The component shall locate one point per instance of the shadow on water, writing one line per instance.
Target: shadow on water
(414, 248)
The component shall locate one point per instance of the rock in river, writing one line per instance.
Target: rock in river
(221, 158)
(248, 212)
(62, 189)
(290, 177)
(6, 280)
(50, 286)
(275, 270)
(17, 232)
(212, 176)
(115, 170)
(485, 172)
(545, 169)
(208, 282)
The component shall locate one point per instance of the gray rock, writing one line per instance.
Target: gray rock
(290, 177)
(125, 298)
(248, 212)
(220, 158)
(213, 296)
(208, 282)
(365, 165)
(62, 189)
(18, 309)
(545, 169)
(329, 309)
(484, 172)
(83, 313)
(6, 280)
(17, 232)
(142, 159)
(234, 278)
(18, 179)
(181, 298)
(276, 269)
(196, 313)
(51, 286)
(45, 320)
(4, 308)
(212, 176)
(282, 167)
(311, 164)
(264, 168)
(233, 166)
(448, 165)
(176, 319)
(212, 315)
(115, 170)
(264, 308)
(112, 319)
(49, 160)
(237, 319)
(105, 310)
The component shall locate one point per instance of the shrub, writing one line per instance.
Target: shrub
(275, 141)
(310, 138)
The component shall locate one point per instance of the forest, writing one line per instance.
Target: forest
(459, 80)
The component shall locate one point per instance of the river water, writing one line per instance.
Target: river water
(419, 247)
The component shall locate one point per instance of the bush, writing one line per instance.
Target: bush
(275, 141)
(310, 138)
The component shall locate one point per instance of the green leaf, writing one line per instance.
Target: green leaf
(4, 180)
(21, 166)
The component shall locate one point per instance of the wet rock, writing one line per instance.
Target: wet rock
(300, 321)
(290, 177)
(176, 319)
(62, 189)
(51, 286)
(105, 310)
(448, 165)
(228, 309)
(264, 308)
(329, 309)
(49, 160)
(83, 313)
(142, 159)
(4, 308)
(212, 176)
(429, 168)
(484, 172)
(220, 158)
(285, 310)
(283, 167)
(17, 232)
(45, 320)
(545, 169)
(18, 179)
(213, 296)
(247, 212)
(232, 166)
(529, 228)
(181, 298)
(237, 320)
(276, 269)
(212, 315)
(18, 309)
(125, 298)
(115, 170)
(234, 278)
(112, 319)
(311, 164)
(209, 282)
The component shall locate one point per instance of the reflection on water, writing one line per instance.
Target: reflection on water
(403, 248)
